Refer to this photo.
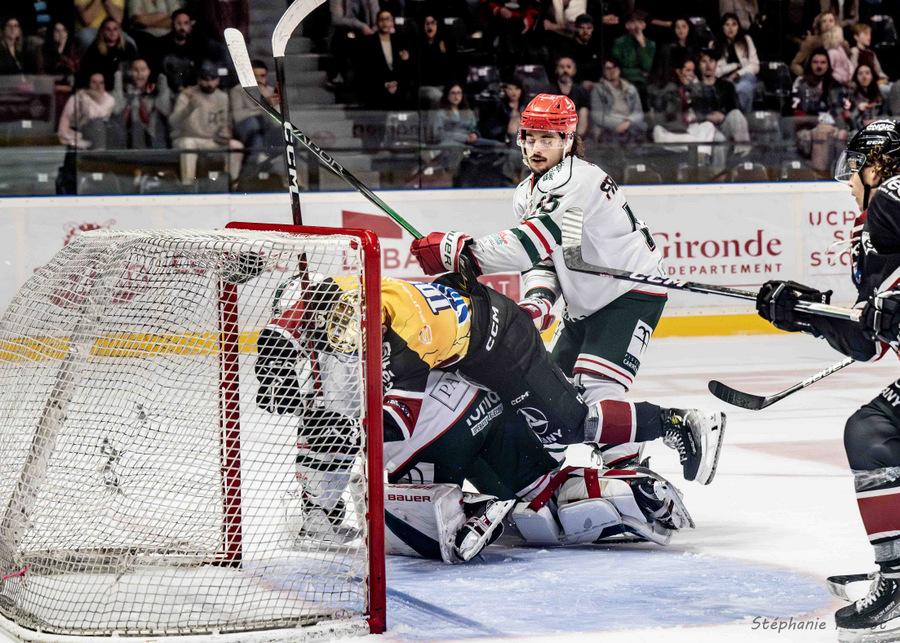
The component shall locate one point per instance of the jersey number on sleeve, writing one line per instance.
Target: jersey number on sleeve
(638, 225)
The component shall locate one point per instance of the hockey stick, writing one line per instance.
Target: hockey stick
(757, 402)
(288, 22)
(238, 50)
(571, 242)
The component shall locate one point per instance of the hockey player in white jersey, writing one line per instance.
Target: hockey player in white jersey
(607, 324)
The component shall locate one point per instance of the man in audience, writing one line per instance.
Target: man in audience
(635, 52)
(148, 21)
(566, 72)
(142, 105)
(616, 109)
(584, 49)
(352, 20)
(200, 121)
(252, 128)
(715, 101)
(182, 50)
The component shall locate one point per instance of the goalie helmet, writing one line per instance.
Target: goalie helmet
(550, 113)
(877, 139)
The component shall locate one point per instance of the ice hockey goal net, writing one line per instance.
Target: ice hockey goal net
(143, 492)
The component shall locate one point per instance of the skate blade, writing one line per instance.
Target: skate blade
(887, 631)
(705, 477)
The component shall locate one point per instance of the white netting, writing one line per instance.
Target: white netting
(142, 490)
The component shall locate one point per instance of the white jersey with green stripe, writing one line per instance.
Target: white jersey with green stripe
(612, 235)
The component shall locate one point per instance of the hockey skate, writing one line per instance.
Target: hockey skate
(697, 436)
(874, 617)
(483, 525)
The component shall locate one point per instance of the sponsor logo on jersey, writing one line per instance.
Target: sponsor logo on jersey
(494, 329)
(449, 391)
(521, 398)
(640, 338)
(891, 188)
(891, 395)
(440, 297)
(537, 422)
(488, 409)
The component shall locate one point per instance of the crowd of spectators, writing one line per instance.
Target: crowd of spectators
(155, 75)
(638, 71)
(141, 74)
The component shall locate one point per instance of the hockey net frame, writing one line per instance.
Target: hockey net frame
(230, 553)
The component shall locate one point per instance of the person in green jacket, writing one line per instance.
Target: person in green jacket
(635, 52)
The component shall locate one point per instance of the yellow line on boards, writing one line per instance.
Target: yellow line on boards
(704, 326)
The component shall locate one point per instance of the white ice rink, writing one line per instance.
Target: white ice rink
(779, 517)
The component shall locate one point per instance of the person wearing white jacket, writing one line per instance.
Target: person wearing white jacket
(739, 62)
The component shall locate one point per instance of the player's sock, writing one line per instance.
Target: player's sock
(618, 422)
(697, 436)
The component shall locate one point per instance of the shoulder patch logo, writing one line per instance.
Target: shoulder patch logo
(891, 188)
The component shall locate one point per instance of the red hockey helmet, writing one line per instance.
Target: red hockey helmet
(550, 112)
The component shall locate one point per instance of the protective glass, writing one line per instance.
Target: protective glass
(848, 164)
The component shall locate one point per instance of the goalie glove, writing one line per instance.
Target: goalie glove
(777, 300)
(440, 252)
(540, 310)
(881, 317)
(275, 368)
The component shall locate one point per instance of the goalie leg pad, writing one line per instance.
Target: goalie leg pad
(483, 526)
(423, 520)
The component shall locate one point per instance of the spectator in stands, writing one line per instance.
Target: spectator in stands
(838, 52)
(437, 55)
(616, 110)
(866, 102)
(818, 102)
(148, 21)
(387, 67)
(677, 121)
(509, 26)
(565, 75)
(351, 20)
(215, 16)
(454, 122)
(251, 127)
(90, 15)
(894, 100)
(200, 121)
(584, 48)
(59, 55)
(715, 101)
(37, 16)
(182, 51)
(846, 12)
(662, 15)
(560, 15)
(739, 62)
(635, 52)
(500, 121)
(747, 11)
(610, 21)
(12, 54)
(684, 45)
(108, 51)
(861, 53)
(142, 106)
(84, 118)
(823, 22)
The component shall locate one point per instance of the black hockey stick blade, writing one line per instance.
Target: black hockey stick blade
(572, 223)
(735, 397)
(757, 402)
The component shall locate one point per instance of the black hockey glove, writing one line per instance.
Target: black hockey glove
(275, 368)
(881, 317)
(776, 302)
(326, 440)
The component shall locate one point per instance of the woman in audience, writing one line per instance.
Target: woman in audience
(86, 114)
(12, 56)
(682, 47)
(142, 106)
(739, 62)
(59, 56)
(841, 67)
(454, 122)
(436, 60)
(866, 102)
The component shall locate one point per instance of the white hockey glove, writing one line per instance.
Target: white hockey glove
(540, 310)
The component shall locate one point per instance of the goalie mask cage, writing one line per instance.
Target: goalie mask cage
(143, 492)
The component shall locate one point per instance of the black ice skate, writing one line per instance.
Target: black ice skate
(874, 617)
(697, 436)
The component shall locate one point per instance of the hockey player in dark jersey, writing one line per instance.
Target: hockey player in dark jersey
(871, 167)
(489, 340)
